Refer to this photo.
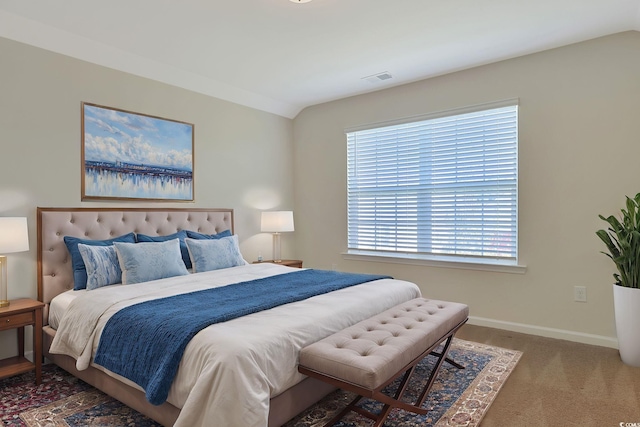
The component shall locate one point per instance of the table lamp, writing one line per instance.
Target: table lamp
(277, 222)
(14, 237)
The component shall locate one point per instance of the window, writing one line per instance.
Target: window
(445, 186)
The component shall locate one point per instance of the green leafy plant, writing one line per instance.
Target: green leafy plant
(623, 242)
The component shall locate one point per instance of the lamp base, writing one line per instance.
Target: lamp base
(276, 248)
(3, 282)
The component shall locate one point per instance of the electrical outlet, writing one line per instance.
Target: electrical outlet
(580, 293)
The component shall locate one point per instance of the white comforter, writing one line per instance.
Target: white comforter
(230, 370)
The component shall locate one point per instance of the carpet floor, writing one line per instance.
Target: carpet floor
(458, 397)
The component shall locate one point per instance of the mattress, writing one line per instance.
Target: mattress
(230, 370)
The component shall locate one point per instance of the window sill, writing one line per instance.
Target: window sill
(444, 262)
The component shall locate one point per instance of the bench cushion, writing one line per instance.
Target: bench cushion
(370, 352)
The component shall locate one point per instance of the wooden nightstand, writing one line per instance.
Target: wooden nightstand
(288, 262)
(21, 313)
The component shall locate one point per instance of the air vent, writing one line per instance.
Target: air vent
(377, 78)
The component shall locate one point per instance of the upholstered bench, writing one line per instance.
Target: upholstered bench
(371, 354)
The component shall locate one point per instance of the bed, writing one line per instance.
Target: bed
(239, 372)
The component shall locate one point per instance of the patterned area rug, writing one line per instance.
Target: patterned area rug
(458, 397)
(60, 401)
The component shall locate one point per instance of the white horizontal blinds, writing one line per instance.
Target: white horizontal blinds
(445, 186)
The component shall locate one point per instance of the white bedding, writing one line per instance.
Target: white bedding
(230, 370)
(59, 305)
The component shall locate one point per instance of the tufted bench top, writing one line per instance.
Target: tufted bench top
(370, 352)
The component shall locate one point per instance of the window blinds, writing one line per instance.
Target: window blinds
(444, 186)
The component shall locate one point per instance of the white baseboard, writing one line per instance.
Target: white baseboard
(542, 331)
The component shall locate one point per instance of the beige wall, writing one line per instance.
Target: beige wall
(243, 156)
(579, 145)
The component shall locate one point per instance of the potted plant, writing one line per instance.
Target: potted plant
(623, 243)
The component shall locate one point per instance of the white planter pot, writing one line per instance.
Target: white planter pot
(626, 303)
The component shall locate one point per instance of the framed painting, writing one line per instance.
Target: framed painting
(134, 156)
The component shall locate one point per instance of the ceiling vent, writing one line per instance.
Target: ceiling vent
(377, 78)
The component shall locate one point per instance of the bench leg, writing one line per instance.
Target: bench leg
(389, 404)
(453, 363)
(395, 402)
(449, 361)
(386, 409)
(350, 407)
(432, 377)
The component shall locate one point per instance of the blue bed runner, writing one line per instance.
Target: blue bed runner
(145, 342)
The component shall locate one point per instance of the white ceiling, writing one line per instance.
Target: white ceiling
(280, 57)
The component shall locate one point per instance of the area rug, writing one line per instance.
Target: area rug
(458, 397)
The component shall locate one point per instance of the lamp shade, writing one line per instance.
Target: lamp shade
(14, 235)
(277, 221)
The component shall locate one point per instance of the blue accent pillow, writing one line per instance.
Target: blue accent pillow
(77, 263)
(200, 236)
(143, 262)
(102, 265)
(182, 234)
(214, 254)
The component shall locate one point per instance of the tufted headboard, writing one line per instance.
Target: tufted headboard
(54, 263)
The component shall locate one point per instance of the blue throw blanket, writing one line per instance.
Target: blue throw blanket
(145, 342)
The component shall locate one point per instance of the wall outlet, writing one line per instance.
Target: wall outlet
(580, 293)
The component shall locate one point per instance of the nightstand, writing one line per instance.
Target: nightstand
(21, 313)
(288, 262)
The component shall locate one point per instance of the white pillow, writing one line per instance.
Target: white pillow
(101, 262)
(143, 262)
(209, 255)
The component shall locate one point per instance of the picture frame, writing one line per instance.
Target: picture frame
(134, 156)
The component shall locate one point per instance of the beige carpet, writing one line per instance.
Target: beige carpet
(560, 383)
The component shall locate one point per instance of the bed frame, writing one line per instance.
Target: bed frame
(55, 276)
